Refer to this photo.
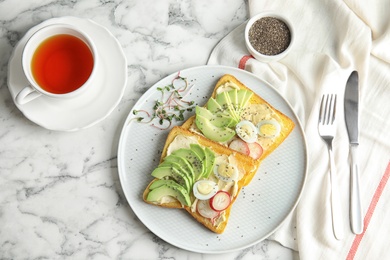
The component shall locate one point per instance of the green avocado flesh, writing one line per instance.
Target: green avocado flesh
(218, 134)
(163, 188)
(210, 162)
(224, 101)
(193, 159)
(234, 100)
(218, 120)
(183, 163)
(199, 151)
(179, 171)
(214, 107)
(175, 173)
(207, 157)
(243, 97)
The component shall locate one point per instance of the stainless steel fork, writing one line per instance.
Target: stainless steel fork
(327, 130)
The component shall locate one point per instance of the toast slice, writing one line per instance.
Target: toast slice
(179, 140)
(274, 125)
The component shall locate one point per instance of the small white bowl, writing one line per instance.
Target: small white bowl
(263, 57)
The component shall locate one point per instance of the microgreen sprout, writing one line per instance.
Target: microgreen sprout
(170, 107)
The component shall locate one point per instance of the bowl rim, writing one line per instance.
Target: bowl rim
(251, 49)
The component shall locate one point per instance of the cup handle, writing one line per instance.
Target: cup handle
(26, 95)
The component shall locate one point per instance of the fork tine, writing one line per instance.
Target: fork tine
(328, 109)
(328, 113)
(331, 109)
(322, 110)
(334, 108)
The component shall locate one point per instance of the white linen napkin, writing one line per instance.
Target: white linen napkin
(333, 38)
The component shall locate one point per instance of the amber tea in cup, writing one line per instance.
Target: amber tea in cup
(62, 64)
(58, 61)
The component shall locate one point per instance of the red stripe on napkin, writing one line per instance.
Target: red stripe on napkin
(244, 59)
(370, 212)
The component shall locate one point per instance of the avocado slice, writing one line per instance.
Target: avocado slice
(218, 119)
(158, 183)
(193, 159)
(201, 154)
(218, 134)
(199, 151)
(234, 100)
(210, 162)
(207, 156)
(224, 101)
(184, 165)
(213, 106)
(174, 172)
(243, 96)
(163, 188)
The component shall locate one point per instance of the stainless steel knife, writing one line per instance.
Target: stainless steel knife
(351, 112)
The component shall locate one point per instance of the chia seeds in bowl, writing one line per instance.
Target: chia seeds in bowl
(268, 36)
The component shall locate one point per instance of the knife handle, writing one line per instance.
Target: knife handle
(355, 203)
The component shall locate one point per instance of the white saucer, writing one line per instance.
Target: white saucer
(96, 103)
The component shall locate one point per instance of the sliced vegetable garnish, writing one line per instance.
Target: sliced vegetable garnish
(255, 150)
(246, 131)
(239, 146)
(226, 172)
(204, 189)
(220, 201)
(170, 107)
(203, 208)
(269, 128)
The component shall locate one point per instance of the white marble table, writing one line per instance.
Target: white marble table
(60, 194)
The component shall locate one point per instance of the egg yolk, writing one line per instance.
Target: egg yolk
(226, 170)
(204, 188)
(268, 129)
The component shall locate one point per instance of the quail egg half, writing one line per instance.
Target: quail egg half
(204, 189)
(269, 128)
(247, 131)
(226, 172)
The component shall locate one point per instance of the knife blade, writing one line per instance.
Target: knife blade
(351, 113)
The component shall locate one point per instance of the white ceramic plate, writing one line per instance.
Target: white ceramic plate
(93, 105)
(261, 206)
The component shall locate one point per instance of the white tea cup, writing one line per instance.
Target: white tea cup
(59, 61)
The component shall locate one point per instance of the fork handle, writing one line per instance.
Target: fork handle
(337, 219)
(356, 215)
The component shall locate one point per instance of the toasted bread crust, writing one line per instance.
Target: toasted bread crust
(175, 204)
(245, 162)
(287, 124)
(248, 164)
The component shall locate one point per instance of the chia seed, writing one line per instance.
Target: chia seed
(269, 36)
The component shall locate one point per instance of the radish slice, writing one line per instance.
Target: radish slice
(203, 208)
(220, 201)
(239, 146)
(255, 150)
